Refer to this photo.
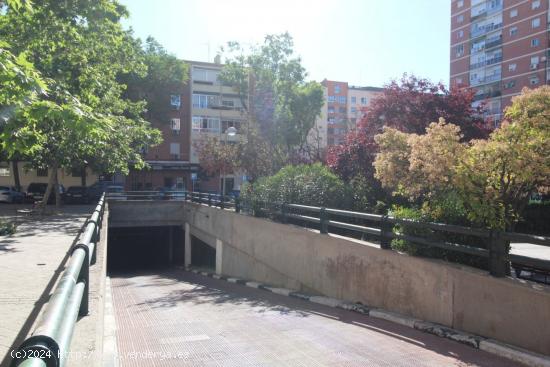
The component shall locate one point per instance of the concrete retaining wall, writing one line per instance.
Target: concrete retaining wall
(509, 310)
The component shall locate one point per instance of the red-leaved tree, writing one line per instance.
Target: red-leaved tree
(409, 105)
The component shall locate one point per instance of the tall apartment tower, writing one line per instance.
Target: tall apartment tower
(499, 47)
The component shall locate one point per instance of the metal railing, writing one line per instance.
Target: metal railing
(49, 344)
(381, 227)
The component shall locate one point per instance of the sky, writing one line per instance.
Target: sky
(362, 42)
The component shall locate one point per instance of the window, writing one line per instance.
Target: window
(460, 34)
(535, 23)
(512, 67)
(513, 31)
(227, 103)
(175, 125)
(458, 81)
(364, 100)
(331, 110)
(206, 76)
(342, 110)
(175, 150)
(510, 84)
(337, 89)
(535, 4)
(342, 99)
(206, 124)
(535, 42)
(460, 3)
(534, 80)
(331, 99)
(513, 13)
(4, 171)
(459, 50)
(534, 62)
(331, 120)
(175, 101)
(353, 100)
(354, 110)
(460, 18)
(200, 101)
(42, 172)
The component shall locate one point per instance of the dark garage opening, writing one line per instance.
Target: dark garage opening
(202, 254)
(144, 248)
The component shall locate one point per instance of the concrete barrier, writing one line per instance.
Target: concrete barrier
(509, 310)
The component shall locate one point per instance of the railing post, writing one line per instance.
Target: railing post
(323, 217)
(185, 195)
(209, 199)
(237, 205)
(385, 231)
(284, 211)
(222, 202)
(497, 254)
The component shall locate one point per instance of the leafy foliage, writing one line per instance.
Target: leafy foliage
(302, 184)
(412, 103)
(493, 179)
(270, 81)
(81, 50)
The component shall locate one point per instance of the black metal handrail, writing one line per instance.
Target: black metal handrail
(49, 344)
(382, 227)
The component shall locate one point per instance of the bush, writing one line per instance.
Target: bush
(535, 219)
(6, 228)
(447, 209)
(303, 184)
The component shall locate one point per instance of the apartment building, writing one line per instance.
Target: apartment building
(169, 162)
(214, 108)
(344, 107)
(499, 47)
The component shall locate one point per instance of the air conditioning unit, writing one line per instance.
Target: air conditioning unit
(543, 59)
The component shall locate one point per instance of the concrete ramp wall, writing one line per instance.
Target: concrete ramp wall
(510, 310)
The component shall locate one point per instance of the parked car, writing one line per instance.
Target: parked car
(116, 192)
(9, 194)
(78, 195)
(36, 191)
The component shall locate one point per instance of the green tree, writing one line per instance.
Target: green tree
(81, 50)
(271, 84)
(489, 180)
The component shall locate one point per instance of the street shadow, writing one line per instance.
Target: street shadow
(206, 290)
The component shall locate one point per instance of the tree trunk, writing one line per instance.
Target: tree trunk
(83, 176)
(51, 182)
(57, 194)
(17, 180)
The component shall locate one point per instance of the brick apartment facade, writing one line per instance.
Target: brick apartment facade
(499, 47)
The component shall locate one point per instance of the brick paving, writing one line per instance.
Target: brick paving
(177, 318)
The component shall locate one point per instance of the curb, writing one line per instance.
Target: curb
(475, 341)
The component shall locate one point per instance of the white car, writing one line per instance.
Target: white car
(10, 195)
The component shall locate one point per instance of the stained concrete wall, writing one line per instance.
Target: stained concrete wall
(510, 310)
(145, 213)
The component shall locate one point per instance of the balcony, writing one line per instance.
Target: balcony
(493, 43)
(485, 29)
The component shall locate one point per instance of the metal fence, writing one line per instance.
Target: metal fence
(49, 344)
(384, 228)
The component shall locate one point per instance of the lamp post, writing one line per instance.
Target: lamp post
(231, 131)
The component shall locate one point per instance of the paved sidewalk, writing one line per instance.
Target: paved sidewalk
(31, 261)
(177, 318)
